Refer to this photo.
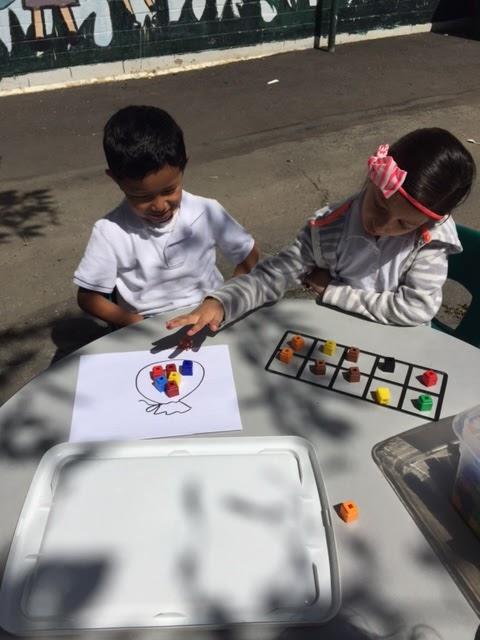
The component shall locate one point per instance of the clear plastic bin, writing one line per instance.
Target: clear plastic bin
(466, 491)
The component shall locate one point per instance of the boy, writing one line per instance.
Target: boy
(157, 248)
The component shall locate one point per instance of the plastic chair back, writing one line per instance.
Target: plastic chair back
(464, 268)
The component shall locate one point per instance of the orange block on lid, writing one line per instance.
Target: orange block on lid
(348, 511)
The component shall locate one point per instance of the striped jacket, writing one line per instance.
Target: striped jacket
(415, 301)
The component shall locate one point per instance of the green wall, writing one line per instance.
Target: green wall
(38, 35)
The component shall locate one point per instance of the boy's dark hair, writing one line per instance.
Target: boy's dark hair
(141, 139)
(440, 170)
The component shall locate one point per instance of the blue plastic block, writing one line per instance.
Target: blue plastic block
(160, 383)
(186, 368)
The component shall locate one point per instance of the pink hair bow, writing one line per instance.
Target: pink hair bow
(385, 173)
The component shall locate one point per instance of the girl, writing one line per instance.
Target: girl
(382, 254)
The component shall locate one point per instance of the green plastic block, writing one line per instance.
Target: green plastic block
(425, 403)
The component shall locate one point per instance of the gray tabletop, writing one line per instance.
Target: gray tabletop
(393, 584)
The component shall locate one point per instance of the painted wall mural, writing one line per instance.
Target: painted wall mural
(47, 34)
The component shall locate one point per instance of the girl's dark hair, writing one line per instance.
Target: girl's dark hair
(140, 139)
(440, 171)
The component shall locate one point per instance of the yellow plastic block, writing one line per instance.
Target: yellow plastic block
(175, 376)
(382, 395)
(329, 348)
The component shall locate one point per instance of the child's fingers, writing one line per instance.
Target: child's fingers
(181, 321)
(216, 321)
(198, 326)
(208, 313)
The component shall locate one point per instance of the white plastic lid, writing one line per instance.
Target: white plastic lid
(173, 532)
(467, 427)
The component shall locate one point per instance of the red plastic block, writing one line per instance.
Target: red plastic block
(156, 371)
(429, 378)
(170, 367)
(348, 511)
(172, 389)
(185, 343)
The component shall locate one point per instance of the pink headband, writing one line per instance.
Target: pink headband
(385, 173)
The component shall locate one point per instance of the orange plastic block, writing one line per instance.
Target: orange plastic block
(285, 355)
(297, 343)
(348, 511)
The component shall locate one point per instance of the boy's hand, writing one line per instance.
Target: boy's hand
(318, 280)
(210, 313)
(95, 303)
(134, 318)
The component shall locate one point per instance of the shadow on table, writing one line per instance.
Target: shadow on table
(295, 413)
(24, 437)
(72, 332)
(299, 412)
(60, 587)
(173, 342)
(22, 434)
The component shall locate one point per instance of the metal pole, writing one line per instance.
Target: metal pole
(332, 33)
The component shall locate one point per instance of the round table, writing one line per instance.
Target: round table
(393, 584)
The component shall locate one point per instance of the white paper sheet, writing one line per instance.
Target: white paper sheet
(116, 400)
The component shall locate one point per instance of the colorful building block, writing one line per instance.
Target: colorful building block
(156, 371)
(425, 403)
(388, 365)
(172, 389)
(285, 355)
(382, 395)
(160, 383)
(319, 368)
(174, 376)
(353, 374)
(429, 378)
(329, 348)
(169, 368)
(348, 511)
(352, 354)
(186, 368)
(297, 343)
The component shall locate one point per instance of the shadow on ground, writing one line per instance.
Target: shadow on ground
(26, 215)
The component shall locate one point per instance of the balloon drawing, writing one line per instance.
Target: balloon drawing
(154, 393)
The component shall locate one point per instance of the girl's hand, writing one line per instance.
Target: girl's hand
(318, 280)
(210, 313)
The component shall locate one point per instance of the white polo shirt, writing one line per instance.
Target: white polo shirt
(156, 270)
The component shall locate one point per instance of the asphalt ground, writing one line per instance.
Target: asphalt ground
(270, 153)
